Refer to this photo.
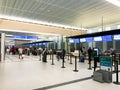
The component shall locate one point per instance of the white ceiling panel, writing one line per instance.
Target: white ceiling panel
(87, 13)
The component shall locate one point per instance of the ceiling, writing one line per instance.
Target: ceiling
(75, 13)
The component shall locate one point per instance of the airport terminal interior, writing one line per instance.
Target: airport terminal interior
(59, 44)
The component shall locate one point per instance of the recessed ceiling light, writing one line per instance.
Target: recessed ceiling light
(115, 2)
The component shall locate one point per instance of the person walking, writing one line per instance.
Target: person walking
(20, 50)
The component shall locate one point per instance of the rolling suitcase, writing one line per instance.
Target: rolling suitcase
(82, 59)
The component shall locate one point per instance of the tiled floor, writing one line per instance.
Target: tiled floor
(30, 73)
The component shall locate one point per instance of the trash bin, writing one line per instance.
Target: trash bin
(102, 76)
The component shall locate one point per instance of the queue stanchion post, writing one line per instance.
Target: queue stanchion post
(75, 64)
(68, 56)
(52, 59)
(117, 74)
(40, 57)
(50, 55)
(63, 61)
(115, 63)
(71, 59)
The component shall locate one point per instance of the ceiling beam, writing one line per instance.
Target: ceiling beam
(32, 27)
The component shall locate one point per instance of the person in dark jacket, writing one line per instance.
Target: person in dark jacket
(89, 54)
(63, 53)
(44, 55)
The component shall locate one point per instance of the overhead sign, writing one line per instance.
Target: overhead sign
(99, 38)
(117, 37)
(25, 37)
(90, 39)
(82, 40)
(107, 38)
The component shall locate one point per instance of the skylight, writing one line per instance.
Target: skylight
(115, 2)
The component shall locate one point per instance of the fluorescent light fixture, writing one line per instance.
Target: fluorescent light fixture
(7, 35)
(39, 22)
(115, 2)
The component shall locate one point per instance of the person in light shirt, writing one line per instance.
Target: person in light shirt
(20, 50)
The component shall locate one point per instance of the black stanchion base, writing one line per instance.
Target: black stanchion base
(52, 64)
(91, 75)
(75, 70)
(89, 68)
(117, 83)
(62, 67)
(71, 63)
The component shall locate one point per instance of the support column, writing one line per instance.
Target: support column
(114, 45)
(104, 46)
(2, 47)
(60, 42)
(93, 44)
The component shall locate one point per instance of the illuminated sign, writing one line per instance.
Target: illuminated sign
(76, 40)
(98, 38)
(82, 40)
(107, 38)
(117, 37)
(89, 39)
(25, 37)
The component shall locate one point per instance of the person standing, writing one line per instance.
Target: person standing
(20, 50)
(63, 53)
(89, 54)
(40, 52)
(44, 55)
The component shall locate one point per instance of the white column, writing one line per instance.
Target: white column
(93, 44)
(104, 46)
(90, 44)
(2, 47)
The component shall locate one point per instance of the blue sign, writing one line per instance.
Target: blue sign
(107, 38)
(71, 40)
(44, 43)
(40, 44)
(117, 37)
(76, 40)
(82, 40)
(25, 37)
(99, 38)
(89, 39)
